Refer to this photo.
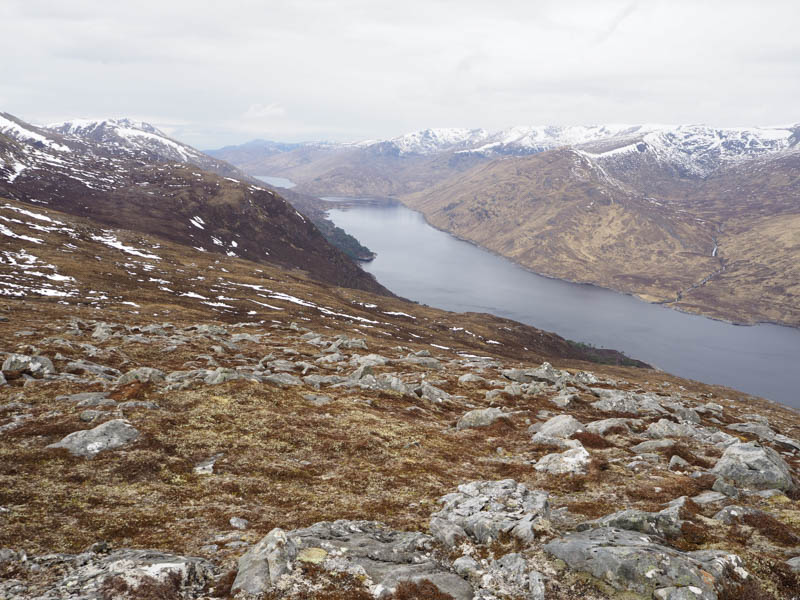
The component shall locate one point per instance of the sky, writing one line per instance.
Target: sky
(215, 73)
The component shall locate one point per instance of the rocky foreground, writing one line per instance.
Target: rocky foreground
(281, 461)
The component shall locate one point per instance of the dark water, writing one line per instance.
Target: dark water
(276, 181)
(421, 263)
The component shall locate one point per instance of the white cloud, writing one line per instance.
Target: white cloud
(264, 112)
(351, 69)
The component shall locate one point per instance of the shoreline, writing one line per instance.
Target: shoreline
(349, 201)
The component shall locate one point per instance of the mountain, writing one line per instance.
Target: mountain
(700, 218)
(173, 420)
(414, 161)
(126, 138)
(127, 180)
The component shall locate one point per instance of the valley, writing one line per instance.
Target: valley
(201, 397)
(668, 214)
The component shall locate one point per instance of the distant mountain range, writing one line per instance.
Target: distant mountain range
(130, 175)
(704, 219)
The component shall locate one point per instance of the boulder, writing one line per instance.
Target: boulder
(652, 446)
(88, 575)
(90, 442)
(732, 513)
(283, 380)
(570, 462)
(665, 523)
(469, 378)
(626, 402)
(262, 565)
(562, 426)
(387, 557)
(221, 375)
(485, 509)
(482, 417)
(794, 564)
(141, 374)
(635, 562)
(36, 366)
(511, 577)
(603, 426)
(664, 428)
(753, 466)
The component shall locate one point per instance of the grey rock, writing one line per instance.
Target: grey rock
(262, 565)
(103, 331)
(601, 427)
(510, 576)
(206, 467)
(239, 523)
(635, 562)
(466, 566)
(627, 402)
(281, 365)
(87, 416)
(386, 556)
(361, 372)
(665, 523)
(221, 375)
(665, 428)
(137, 405)
(430, 392)
(209, 330)
(370, 360)
(756, 418)
(317, 399)
(423, 361)
(484, 509)
(37, 366)
(571, 462)
(316, 381)
(447, 583)
(708, 497)
(760, 430)
(447, 532)
(794, 564)
(732, 513)
(651, 446)
(87, 367)
(82, 576)
(561, 426)
(751, 465)
(723, 487)
(283, 380)
(470, 378)
(141, 374)
(564, 398)
(482, 417)
(544, 373)
(328, 359)
(84, 398)
(90, 442)
(676, 463)
(2, 379)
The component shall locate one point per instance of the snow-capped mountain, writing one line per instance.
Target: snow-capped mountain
(137, 139)
(694, 149)
(115, 173)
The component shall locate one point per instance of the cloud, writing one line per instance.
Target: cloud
(306, 69)
(264, 112)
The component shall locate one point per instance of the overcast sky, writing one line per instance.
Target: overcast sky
(213, 73)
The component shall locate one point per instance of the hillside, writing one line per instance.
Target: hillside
(137, 188)
(183, 424)
(726, 245)
(699, 218)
